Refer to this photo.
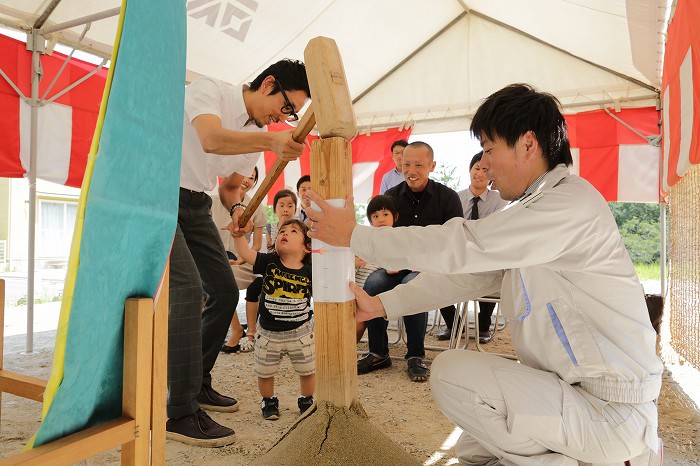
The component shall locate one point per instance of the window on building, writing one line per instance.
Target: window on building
(56, 222)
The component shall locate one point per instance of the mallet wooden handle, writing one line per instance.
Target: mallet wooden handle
(300, 132)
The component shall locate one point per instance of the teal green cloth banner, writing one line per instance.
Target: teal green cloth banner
(130, 214)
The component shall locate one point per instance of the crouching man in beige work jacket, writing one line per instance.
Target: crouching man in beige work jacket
(584, 391)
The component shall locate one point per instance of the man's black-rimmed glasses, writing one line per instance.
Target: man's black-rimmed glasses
(287, 108)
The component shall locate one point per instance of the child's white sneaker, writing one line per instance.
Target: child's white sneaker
(247, 344)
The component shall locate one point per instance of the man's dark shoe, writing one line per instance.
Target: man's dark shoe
(212, 400)
(230, 349)
(200, 430)
(444, 335)
(270, 408)
(304, 403)
(417, 371)
(485, 337)
(371, 363)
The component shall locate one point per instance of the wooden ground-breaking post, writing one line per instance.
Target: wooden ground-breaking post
(141, 429)
(334, 322)
(336, 431)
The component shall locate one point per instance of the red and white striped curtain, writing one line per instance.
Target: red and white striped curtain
(681, 93)
(65, 126)
(619, 162)
(616, 153)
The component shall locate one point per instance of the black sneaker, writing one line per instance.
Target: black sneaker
(371, 363)
(200, 430)
(485, 337)
(304, 403)
(270, 408)
(212, 400)
(417, 371)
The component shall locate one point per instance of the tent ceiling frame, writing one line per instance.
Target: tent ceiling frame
(520, 32)
(82, 20)
(634, 81)
(45, 14)
(465, 112)
(407, 58)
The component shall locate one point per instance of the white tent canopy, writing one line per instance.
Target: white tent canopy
(425, 61)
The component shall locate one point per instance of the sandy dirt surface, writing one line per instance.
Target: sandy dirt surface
(402, 409)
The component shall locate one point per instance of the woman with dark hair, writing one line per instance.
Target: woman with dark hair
(242, 272)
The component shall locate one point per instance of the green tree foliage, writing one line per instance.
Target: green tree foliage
(361, 214)
(639, 227)
(270, 214)
(445, 174)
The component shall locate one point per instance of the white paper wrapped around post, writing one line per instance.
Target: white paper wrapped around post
(333, 267)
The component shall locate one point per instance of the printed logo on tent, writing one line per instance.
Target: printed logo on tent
(224, 15)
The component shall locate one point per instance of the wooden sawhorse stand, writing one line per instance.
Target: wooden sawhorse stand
(141, 429)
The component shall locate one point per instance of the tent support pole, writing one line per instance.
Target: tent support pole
(37, 47)
(63, 65)
(13, 85)
(77, 82)
(662, 226)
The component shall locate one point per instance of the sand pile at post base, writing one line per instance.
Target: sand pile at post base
(335, 436)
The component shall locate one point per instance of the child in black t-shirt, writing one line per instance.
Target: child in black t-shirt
(284, 314)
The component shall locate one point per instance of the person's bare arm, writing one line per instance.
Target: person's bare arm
(230, 194)
(244, 251)
(230, 190)
(215, 139)
(257, 238)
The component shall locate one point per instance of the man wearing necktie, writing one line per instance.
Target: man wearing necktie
(475, 208)
(478, 201)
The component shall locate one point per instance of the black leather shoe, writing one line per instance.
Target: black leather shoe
(230, 349)
(200, 430)
(212, 400)
(417, 371)
(371, 363)
(444, 335)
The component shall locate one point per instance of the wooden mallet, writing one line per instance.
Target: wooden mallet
(299, 135)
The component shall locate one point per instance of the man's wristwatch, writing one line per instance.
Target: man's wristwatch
(235, 206)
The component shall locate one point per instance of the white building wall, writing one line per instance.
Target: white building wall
(19, 224)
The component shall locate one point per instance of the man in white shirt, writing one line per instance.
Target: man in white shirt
(395, 176)
(585, 387)
(223, 133)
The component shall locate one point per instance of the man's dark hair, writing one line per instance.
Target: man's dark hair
(292, 74)
(303, 179)
(382, 202)
(423, 145)
(400, 142)
(476, 158)
(519, 108)
(284, 193)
